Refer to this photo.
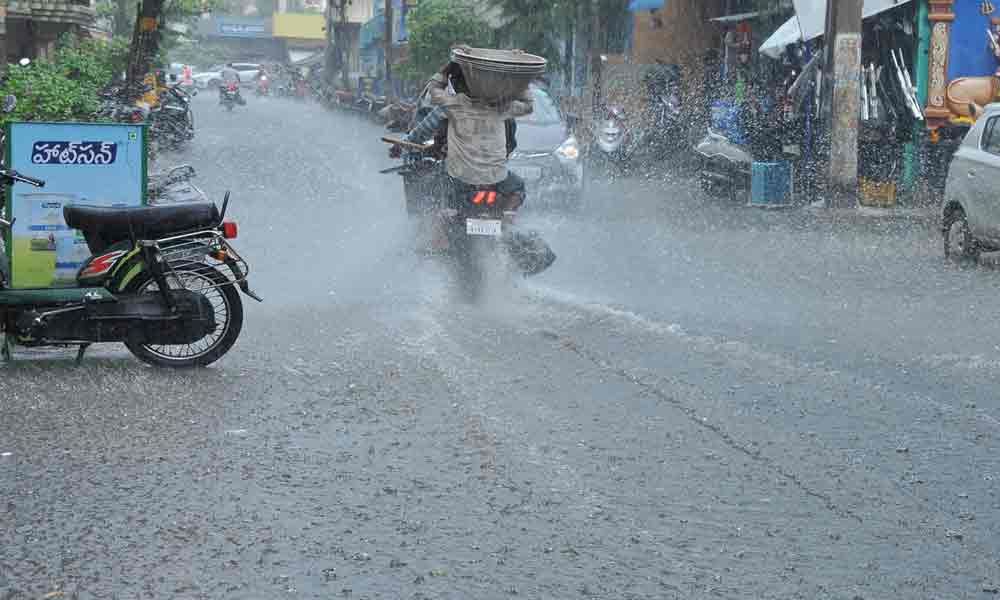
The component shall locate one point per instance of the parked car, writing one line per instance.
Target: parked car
(547, 156)
(213, 76)
(971, 213)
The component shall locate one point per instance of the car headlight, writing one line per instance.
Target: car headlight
(569, 149)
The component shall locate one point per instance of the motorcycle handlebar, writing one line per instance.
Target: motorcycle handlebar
(407, 145)
(15, 176)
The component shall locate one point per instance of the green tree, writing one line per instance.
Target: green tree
(64, 87)
(434, 27)
(544, 26)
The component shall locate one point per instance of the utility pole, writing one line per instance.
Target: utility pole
(596, 62)
(145, 44)
(842, 98)
(388, 49)
(336, 32)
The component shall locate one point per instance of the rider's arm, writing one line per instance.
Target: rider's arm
(437, 87)
(518, 107)
(428, 126)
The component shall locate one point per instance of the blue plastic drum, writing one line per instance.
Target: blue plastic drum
(771, 183)
(726, 120)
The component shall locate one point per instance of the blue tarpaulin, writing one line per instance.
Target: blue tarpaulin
(637, 5)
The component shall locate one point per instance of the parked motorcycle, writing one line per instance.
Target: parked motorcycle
(614, 138)
(231, 96)
(731, 145)
(657, 133)
(171, 123)
(161, 280)
(173, 187)
(725, 168)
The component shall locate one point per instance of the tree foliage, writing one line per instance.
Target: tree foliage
(65, 87)
(434, 27)
(543, 26)
(535, 25)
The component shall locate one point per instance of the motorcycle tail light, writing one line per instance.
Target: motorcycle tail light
(481, 196)
(229, 230)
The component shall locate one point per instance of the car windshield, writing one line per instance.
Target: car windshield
(544, 111)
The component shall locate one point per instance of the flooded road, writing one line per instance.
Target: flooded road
(696, 401)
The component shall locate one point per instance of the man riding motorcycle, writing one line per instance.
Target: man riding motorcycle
(229, 75)
(479, 138)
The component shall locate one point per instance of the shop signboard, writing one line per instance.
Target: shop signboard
(239, 27)
(90, 164)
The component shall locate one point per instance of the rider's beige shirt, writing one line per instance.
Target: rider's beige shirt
(477, 141)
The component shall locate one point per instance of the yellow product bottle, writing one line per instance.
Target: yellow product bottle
(150, 99)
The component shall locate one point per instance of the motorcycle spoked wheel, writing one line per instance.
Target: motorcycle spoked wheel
(226, 301)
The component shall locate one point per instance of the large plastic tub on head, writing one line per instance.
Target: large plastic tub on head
(497, 74)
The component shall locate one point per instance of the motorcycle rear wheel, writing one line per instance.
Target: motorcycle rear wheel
(222, 294)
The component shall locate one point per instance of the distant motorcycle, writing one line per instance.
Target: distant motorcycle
(231, 96)
(263, 86)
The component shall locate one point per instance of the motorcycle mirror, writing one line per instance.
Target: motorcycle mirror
(225, 205)
(9, 103)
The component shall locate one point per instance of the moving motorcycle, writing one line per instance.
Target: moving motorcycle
(161, 280)
(231, 96)
(478, 220)
(263, 85)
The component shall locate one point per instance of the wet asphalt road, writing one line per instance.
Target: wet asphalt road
(696, 401)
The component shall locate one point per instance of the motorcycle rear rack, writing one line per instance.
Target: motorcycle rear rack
(198, 252)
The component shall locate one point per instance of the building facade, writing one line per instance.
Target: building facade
(30, 28)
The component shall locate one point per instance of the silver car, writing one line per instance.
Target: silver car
(971, 212)
(212, 78)
(547, 156)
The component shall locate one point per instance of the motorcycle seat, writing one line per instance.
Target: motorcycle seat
(147, 222)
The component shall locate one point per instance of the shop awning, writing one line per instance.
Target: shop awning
(637, 5)
(810, 20)
(737, 18)
(305, 58)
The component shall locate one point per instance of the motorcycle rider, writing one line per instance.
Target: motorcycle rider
(263, 80)
(229, 75)
(477, 137)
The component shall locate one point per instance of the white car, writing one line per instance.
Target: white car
(971, 214)
(212, 78)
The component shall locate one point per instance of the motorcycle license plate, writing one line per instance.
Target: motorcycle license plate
(490, 227)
